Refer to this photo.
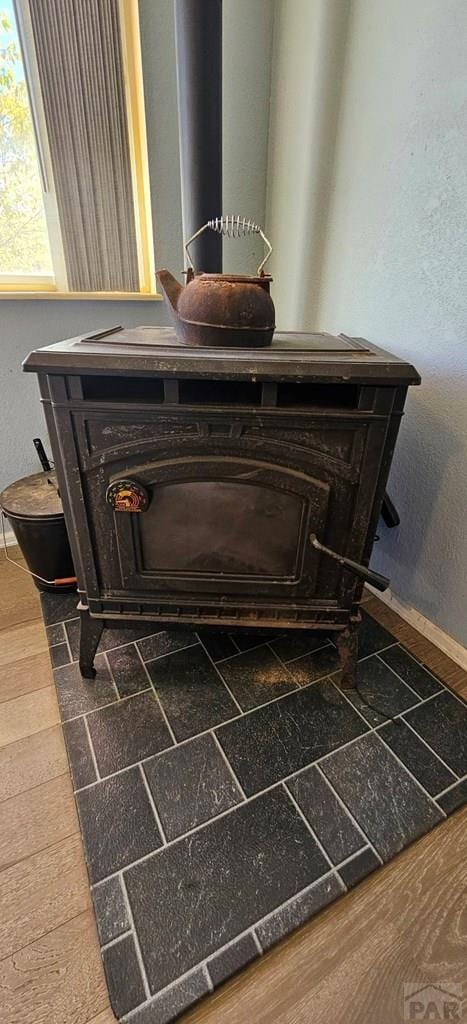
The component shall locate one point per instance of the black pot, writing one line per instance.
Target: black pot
(34, 510)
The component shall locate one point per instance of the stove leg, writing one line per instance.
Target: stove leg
(347, 646)
(91, 632)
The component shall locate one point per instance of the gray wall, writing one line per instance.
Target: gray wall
(27, 324)
(395, 271)
(308, 58)
(247, 53)
(383, 245)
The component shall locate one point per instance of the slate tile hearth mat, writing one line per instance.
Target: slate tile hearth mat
(228, 791)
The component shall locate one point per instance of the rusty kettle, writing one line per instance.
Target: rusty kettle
(229, 310)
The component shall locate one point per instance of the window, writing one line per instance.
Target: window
(24, 241)
(74, 181)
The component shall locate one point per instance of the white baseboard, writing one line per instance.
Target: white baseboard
(438, 637)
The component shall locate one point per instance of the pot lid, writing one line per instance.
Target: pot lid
(32, 497)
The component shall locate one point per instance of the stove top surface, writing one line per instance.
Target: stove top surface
(156, 351)
(283, 341)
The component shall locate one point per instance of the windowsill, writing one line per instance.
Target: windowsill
(84, 296)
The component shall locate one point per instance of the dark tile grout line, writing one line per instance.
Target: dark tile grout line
(284, 664)
(255, 940)
(334, 870)
(152, 803)
(112, 678)
(158, 700)
(383, 662)
(227, 687)
(308, 827)
(233, 773)
(67, 641)
(360, 829)
(243, 713)
(139, 955)
(427, 745)
(209, 981)
(443, 685)
(91, 748)
(307, 654)
(269, 643)
(397, 758)
(234, 642)
(236, 718)
(182, 743)
(280, 782)
(152, 685)
(262, 643)
(150, 636)
(251, 930)
(108, 650)
(167, 654)
(369, 729)
(328, 676)
(396, 643)
(102, 707)
(59, 622)
(459, 779)
(352, 856)
(250, 711)
(114, 942)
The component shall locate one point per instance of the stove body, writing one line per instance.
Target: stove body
(242, 456)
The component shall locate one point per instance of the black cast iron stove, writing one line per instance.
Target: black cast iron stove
(199, 485)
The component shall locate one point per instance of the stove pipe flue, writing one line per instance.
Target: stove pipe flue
(198, 33)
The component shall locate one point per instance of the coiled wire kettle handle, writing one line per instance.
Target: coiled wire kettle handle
(232, 226)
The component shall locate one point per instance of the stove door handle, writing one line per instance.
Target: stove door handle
(374, 578)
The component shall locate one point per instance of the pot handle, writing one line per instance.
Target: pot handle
(232, 226)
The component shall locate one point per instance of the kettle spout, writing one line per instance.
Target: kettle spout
(170, 287)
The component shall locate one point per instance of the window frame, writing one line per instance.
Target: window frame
(55, 286)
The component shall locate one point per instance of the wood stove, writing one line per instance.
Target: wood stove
(239, 457)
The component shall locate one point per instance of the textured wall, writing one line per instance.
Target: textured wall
(28, 324)
(247, 52)
(395, 272)
(308, 60)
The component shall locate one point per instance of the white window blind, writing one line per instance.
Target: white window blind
(80, 68)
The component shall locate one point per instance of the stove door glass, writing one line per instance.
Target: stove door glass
(223, 523)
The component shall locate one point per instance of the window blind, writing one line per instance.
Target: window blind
(80, 66)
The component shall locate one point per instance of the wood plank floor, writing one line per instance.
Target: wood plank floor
(407, 923)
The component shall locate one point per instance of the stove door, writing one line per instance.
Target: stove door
(222, 525)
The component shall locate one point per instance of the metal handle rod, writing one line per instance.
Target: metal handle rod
(41, 453)
(232, 226)
(374, 578)
(66, 579)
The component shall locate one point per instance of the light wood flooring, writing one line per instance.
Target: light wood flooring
(407, 923)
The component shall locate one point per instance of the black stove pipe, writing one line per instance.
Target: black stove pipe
(198, 34)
